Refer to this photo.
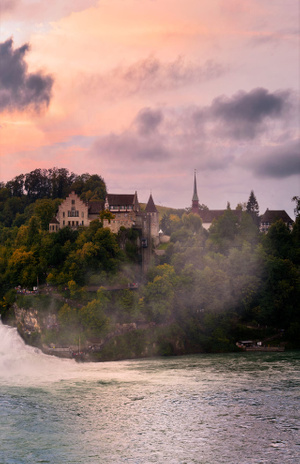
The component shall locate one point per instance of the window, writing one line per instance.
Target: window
(73, 202)
(82, 214)
(63, 214)
(73, 213)
(63, 223)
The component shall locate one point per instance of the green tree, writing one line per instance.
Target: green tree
(253, 208)
(278, 240)
(223, 232)
(193, 222)
(45, 210)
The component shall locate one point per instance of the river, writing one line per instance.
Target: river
(207, 409)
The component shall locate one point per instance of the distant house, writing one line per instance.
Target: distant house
(271, 216)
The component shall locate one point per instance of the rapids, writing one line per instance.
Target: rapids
(207, 409)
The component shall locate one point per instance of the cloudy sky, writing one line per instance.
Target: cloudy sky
(142, 92)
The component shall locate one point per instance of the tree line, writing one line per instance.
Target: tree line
(40, 191)
(208, 290)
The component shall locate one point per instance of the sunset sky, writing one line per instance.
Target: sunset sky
(142, 92)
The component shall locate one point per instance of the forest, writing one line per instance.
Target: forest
(203, 292)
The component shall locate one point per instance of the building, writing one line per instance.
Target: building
(266, 220)
(271, 216)
(208, 215)
(72, 212)
(124, 208)
(153, 217)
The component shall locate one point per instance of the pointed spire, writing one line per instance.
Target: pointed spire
(151, 208)
(195, 195)
(195, 199)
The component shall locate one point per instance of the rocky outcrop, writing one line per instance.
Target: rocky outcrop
(32, 325)
(27, 319)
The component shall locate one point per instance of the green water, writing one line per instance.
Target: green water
(208, 409)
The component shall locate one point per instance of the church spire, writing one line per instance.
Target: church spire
(195, 196)
(195, 199)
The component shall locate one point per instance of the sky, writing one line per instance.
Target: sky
(143, 92)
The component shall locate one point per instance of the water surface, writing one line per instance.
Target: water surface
(206, 409)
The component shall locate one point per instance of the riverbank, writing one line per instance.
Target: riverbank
(39, 325)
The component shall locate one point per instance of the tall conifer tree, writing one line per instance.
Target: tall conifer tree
(253, 208)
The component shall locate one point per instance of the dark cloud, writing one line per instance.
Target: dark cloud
(151, 73)
(209, 138)
(280, 162)
(18, 88)
(148, 121)
(130, 147)
(243, 116)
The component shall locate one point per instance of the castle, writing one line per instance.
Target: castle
(124, 208)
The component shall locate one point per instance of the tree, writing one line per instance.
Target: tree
(223, 231)
(89, 187)
(37, 184)
(45, 210)
(297, 207)
(192, 222)
(106, 214)
(278, 240)
(61, 181)
(253, 208)
(16, 186)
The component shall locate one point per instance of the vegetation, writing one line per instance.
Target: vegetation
(208, 290)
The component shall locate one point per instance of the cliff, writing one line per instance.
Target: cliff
(121, 341)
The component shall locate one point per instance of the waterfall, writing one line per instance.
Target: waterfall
(25, 364)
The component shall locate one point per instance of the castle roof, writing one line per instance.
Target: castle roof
(271, 216)
(96, 206)
(150, 207)
(120, 199)
(54, 221)
(208, 215)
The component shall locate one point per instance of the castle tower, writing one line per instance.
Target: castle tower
(152, 212)
(195, 199)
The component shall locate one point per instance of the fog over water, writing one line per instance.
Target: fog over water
(205, 409)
